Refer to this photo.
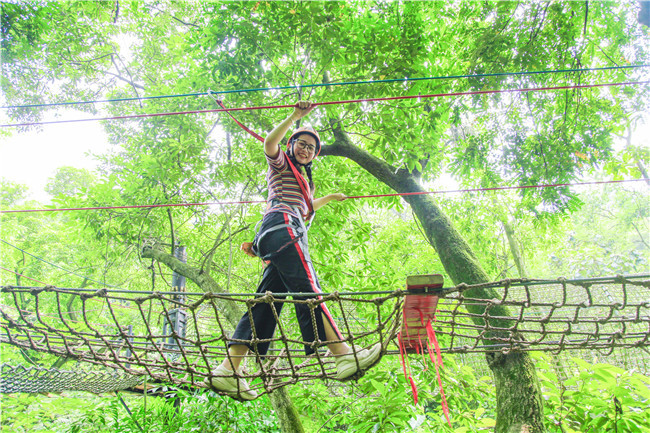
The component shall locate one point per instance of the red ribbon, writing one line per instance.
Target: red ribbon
(404, 338)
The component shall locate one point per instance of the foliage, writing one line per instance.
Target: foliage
(103, 50)
(69, 181)
(608, 236)
(185, 412)
(595, 398)
(11, 193)
(380, 402)
(487, 141)
(23, 413)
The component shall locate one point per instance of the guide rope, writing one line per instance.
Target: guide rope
(344, 83)
(397, 194)
(316, 104)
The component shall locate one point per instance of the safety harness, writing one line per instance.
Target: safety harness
(250, 248)
(419, 306)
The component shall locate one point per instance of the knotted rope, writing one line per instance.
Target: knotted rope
(184, 340)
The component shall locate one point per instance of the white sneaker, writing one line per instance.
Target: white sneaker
(225, 381)
(346, 365)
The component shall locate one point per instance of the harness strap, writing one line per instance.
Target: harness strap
(304, 222)
(304, 188)
(259, 236)
(220, 103)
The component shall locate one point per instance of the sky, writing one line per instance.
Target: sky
(32, 158)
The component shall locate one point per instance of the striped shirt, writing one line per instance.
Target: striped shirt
(284, 187)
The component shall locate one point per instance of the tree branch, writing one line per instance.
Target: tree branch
(640, 235)
(201, 279)
(117, 11)
(131, 82)
(384, 172)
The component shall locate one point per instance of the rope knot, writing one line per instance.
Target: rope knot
(335, 296)
(102, 293)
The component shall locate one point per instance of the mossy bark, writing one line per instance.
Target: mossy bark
(285, 410)
(519, 399)
(514, 248)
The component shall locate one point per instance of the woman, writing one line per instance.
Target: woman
(282, 240)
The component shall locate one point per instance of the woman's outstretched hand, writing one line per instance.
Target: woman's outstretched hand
(320, 202)
(338, 196)
(302, 109)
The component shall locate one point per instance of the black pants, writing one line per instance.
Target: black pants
(290, 270)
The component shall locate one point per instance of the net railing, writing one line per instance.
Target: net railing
(179, 338)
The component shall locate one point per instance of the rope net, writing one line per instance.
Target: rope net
(180, 338)
(36, 379)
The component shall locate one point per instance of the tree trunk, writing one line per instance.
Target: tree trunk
(514, 248)
(519, 399)
(557, 364)
(285, 410)
(644, 13)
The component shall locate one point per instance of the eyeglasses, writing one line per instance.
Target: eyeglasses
(306, 146)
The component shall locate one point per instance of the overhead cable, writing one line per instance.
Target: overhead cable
(316, 104)
(398, 194)
(56, 266)
(344, 83)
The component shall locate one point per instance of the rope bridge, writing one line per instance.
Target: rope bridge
(179, 338)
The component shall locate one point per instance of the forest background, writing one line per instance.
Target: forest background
(73, 51)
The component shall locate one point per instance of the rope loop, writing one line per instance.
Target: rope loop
(316, 344)
(313, 303)
(208, 296)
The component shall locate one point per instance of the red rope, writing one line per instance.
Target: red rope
(21, 275)
(141, 206)
(224, 203)
(349, 101)
(244, 127)
(498, 188)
